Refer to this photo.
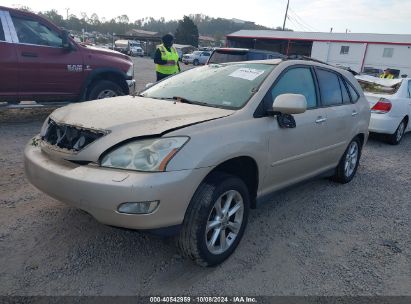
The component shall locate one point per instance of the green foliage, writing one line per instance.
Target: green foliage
(187, 32)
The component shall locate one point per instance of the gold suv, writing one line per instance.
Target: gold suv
(193, 153)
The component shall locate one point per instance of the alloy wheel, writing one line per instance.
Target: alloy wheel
(351, 159)
(400, 131)
(224, 222)
(106, 94)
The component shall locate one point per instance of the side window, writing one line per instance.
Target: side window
(2, 38)
(32, 32)
(409, 88)
(353, 93)
(329, 88)
(345, 95)
(297, 81)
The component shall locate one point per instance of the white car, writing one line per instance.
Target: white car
(390, 103)
(136, 51)
(197, 57)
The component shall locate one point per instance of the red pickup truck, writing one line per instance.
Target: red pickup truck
(41, 62)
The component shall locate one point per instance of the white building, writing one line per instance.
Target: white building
(357, 51)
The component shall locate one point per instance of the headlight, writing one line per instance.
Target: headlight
(144, 155)
(130, 71)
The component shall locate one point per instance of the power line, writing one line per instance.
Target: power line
(296, 16)
(298, 24)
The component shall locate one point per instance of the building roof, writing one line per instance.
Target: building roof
(317, 36)
(205, 38)
(137, 32)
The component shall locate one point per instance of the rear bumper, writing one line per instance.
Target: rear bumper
(382, 123)
(99, 191)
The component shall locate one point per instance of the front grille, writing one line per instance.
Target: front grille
(70, 137)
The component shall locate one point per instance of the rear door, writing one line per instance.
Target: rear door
(9, 84)
(296, 153)
(342, 114)
(409, 104)
(204, 57)
(46, 69)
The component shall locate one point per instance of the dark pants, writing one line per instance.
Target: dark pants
(162, 76)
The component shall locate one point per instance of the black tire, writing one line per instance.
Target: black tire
(395, 139)
(192, 237)
(341, 175)
(196, 62)
(98, 88)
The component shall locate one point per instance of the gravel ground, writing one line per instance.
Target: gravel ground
(318, 238)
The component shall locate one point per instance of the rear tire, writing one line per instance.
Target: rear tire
(211, 234)
(348, 165)
(196, 62)
(395, 139)
(104, 89)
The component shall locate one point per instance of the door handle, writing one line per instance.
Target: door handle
(320, 120)
(354, 113)
(29, 54)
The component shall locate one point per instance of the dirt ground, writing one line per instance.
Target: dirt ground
(318, 238)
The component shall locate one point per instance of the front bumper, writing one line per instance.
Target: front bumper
(131, 86)
(99, 191)
(383, 123)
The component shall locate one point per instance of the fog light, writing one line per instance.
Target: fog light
(138, 207)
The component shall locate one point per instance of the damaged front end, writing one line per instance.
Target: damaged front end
(68, 138)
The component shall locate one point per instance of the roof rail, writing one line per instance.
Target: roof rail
(301, 57)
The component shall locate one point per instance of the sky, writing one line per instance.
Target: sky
(356, 16)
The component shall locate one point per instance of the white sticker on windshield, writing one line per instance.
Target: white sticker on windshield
(246, 73)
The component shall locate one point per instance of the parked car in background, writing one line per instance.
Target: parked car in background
(390, 103)
(194, 152)
(41, 62)
(221, 55)
(372, 71)
(136, 51)
(196, 58)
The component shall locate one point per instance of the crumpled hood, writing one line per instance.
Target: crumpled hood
(136, 116)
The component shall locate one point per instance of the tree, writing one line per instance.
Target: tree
(187, 32)
(54, 17)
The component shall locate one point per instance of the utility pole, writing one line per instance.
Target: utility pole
(67, 10)
(286, 13)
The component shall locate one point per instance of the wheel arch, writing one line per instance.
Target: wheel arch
(244, 167)
(110, 74)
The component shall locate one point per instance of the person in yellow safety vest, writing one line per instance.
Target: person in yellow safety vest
(166, 58)
(387, 74)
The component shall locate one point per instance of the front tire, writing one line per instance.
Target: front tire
(215, 219)
(196, 62)
(348, 165)
(395, 139)
(104, 89)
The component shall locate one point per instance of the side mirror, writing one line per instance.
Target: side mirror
(290, 104)
(65, 40)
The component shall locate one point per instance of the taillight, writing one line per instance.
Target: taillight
(382, 106)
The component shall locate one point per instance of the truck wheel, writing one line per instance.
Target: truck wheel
(196, 62)
(395, 139)
(215, 219)
(349, 162)
(104, 89)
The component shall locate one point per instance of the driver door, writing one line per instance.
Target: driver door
(46, 69)
(296, 153)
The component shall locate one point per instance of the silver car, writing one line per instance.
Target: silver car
(193, 153)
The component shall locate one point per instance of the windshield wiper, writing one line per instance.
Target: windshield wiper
(185, 100)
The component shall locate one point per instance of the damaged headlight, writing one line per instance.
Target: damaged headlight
(144, 155)
(44, 127)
